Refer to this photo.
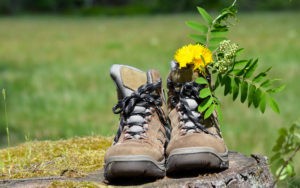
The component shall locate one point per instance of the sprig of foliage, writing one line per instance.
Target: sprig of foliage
(213, 32)
(210, 102)
(256, 88)
(237, 76)
(286, 147)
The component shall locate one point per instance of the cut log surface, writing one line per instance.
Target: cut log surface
(243, 172)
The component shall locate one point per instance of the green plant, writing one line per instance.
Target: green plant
(236, 75)
(6, 121)
(286, 147)
(239, 77)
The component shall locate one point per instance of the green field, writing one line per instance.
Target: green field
(56, 72)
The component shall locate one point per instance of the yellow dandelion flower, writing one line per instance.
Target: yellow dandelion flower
(191, 55)
(184, 56)
(206, 55)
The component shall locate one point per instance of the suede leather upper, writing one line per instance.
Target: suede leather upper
(153, 145)
(197, 139)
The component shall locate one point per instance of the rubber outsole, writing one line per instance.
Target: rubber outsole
(194, 158)
(133, 166)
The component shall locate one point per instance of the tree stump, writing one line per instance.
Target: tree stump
(243, 172)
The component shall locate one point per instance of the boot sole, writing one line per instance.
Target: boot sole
(133, 166)
(196, 158)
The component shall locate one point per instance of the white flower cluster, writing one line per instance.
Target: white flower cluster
(225, 55)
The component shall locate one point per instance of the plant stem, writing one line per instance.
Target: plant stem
(285, 164)
(6, 121)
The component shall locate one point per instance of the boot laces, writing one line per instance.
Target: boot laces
(136, 111)
(186, 101)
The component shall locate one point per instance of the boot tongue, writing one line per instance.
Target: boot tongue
(128, 79)
(182, 75)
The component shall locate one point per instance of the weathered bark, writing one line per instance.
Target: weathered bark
(243, 172)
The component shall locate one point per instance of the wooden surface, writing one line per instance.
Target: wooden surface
(243, 172)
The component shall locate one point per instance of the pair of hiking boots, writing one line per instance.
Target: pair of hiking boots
(145, 145)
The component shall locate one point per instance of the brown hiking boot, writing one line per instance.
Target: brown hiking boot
(139, 145)
(195, 143)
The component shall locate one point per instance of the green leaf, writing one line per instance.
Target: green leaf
(201, 80)
(235, 88)
(294, 127)
(244, 91)
(239, 51)
(218, 81)
(205, 15)
(275, 157)
(243, 71)
(216, 40)
(266, 83)
(251, 69)
(252, 89)
(279, 162)
(279, 89)
(276, 148)
(273, 104)
(205, 104)
(283, 132)
(219, 27)
(209, 111)
(283, 174)
(236, 71)
(257, 97)
(289, 170)
(219, 112)
(217, 33)
(263, 102)
(217, 101)
(240, 63)
(197, 26)
(198, 38)
(204, 93)
(227, 82)
(212, 48)
(259, 77)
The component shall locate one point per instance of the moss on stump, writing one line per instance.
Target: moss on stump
(78, 162)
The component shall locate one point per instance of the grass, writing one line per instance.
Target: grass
(56, 72)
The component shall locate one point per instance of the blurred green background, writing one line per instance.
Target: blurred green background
(55, 63)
